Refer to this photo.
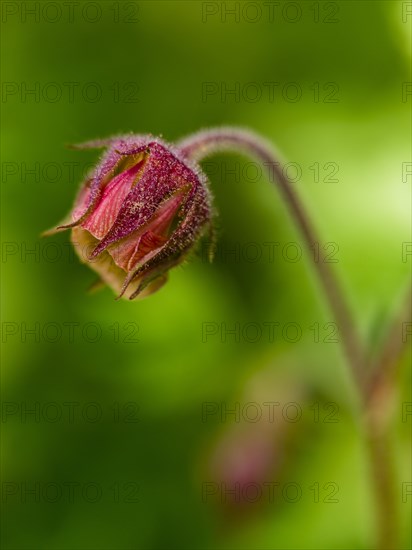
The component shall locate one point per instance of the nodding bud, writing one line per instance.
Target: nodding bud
(139, 214)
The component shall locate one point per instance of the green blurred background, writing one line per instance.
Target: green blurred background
(128, 467)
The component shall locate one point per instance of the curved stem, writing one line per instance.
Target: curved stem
(205, 143)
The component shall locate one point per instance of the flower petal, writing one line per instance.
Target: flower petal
(175, 249)
(105, 213)
(102, 175)
(143, 243)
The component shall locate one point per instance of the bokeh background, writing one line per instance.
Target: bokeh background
(116, 429)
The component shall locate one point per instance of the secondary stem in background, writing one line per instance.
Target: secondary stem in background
(379, 399)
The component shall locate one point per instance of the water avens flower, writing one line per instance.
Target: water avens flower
(139, 214)
(147, 204)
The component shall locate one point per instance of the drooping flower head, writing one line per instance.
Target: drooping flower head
(139, 213)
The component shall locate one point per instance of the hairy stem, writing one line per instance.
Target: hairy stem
(205, 143)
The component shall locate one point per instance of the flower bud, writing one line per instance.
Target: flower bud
(139, 214)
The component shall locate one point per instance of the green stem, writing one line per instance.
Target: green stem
(378, 436)
(384, 366)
